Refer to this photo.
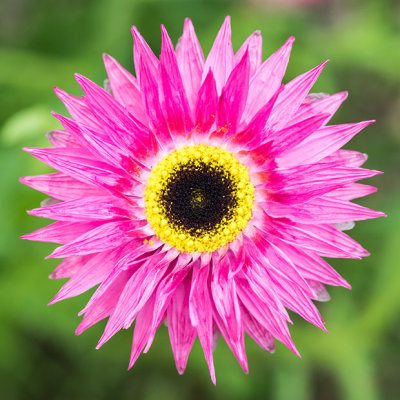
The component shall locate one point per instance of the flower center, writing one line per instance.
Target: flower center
(199, 198)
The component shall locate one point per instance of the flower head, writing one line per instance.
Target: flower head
(201, 192)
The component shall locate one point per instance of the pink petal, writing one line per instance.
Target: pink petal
(142, 330)
(92, 270)
(207, 104)
(190, 62)
(352, 191)
(294, 134)
(61, 186)
(181, 331)
(61, 232)
(253, 44)
(107, 236)
(85, 209)
(125, 88)
(175, 100)
(322, 210)
(80, 165)
(166, 288)
(59, 138)
(150, 86)
(200, 311)
(68, 267)
(104, 304)
(325, 105)
(137, 291)
(220, 58)
(257, 332)
(320, 144)
(227, 316)
(143, 54)
(266, 315)
(267, 79)
(78, 109)
(233, 98)
(292, 96)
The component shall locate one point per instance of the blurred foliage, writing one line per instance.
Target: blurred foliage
(42, 44)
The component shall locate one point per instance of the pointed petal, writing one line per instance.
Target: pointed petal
(61, 186)
(142, 330)
(85, 209)
(125, 88)
(227, 316)
(322, 210)
(200, 311)
(137, 291)
(104, 304)
(61, 232)
(233, 98)
(80, 165)
(257, 332)
(181, 331)
(320, 144)
(352, 191)
(292, 96)
(253, 44)
(107, 236)
(143, 54)
(190, 62)
(59, 138)
(207, 105)
(93, 269)
(165, 291)
(68, 267)
(326, 105)
(267, 79)
(220, 58)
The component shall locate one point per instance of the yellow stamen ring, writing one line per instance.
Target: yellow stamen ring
(233, 173)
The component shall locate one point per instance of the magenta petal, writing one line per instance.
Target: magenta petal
(228, 318)
(324, 105)
(143, 54)
(59, 138)
(125, 88)
(92, 270)
(104, 304)
(181, 331)
(257, 332)
(220, 58)
(107, 236)
(352, 191)
(267, 79)
(175, 98)
(81, 165)
(233, 98)
(166, 289)
(61, 186)
(136, 292)
(200, 311)
(292, 96)
(190, 62)
(320, 144)
(322, 210)
(207, 104)
(253, 45)
(86, 209)
(61, 232)
(142, 330)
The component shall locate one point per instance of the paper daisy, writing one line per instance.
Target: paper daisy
(203, 193)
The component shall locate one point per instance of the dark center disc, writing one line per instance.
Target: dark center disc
(197, 197)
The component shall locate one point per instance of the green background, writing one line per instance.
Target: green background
(42, 44)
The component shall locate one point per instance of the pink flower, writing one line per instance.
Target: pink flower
(203, 193)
